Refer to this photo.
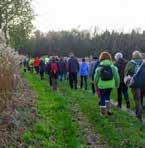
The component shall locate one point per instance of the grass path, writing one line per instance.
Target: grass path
(71, 119)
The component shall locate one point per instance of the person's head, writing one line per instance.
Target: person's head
(94, 58)
(105, 56)
(71, 54)
(83, 60)
(118, 56)
(136, 55)
(53, 59)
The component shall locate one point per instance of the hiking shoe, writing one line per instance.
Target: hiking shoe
(109, 113)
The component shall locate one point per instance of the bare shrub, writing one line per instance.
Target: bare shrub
(9, 74)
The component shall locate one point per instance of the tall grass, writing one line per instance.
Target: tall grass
(9, 75)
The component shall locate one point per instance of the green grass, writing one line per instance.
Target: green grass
(56, 129)
(120, 130)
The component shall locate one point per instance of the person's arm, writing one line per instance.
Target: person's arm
(78, 65)
(88, 69)
(116, 76)
(129, 69)
(68, 65)
(96, 76)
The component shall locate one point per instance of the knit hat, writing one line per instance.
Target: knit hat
(118, 56)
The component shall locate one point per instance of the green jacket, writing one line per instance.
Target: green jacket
(130, 67)
(110, 83)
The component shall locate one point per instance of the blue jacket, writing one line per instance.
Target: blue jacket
(84, 69)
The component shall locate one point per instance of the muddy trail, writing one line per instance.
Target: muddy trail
(92, 138)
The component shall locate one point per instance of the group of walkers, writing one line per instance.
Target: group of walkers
(105, 73)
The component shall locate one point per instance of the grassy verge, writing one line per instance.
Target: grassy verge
(55, 127)
(120, 130)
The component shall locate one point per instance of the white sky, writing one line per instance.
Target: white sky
(118, 15)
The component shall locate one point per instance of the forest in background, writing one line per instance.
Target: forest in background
(83, 43)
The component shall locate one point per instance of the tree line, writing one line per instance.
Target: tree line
(83, 43)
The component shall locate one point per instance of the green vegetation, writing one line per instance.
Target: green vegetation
(56, 128)
(84, 43)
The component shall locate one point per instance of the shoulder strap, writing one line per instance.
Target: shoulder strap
(133, 61)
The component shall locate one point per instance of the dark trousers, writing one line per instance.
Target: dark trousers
(54, 83)
(137, 98)
(93, 85)
(50, 80)
(123, 91)
(42, 75)
(37, 69)
(61, 76)
(104, 96)
(83, 80)
(73, 80)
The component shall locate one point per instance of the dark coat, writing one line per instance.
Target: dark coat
(73, 65)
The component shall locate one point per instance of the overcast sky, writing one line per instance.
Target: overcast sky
(118, 15)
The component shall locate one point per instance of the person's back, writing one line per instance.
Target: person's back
(61, 66)
(122, 90)
(106, 78)
(93, 66)
(132, 66)
(121, 64)
(84, 69)
(54, 68)
(73, 68)
(42, 68)
(139, 77)
(42, 65)
(36, 62)
(73, 65)
(131, 70)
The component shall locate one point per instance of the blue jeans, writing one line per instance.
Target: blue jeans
(104, 96)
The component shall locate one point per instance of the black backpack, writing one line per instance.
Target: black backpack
(106, 73)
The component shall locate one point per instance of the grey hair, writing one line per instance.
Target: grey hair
(118, 56)
(136, 54)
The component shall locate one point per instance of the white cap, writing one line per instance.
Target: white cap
(118, 56)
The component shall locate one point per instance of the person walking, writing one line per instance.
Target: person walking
(131, 69)
(106, 78)
(42, 68)
(120, 63)
(62, 68)
(53, 70)
(94, 64)
(84, 72)
(36, 64)
(73, 68)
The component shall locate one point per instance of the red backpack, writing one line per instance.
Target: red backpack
(54, 67)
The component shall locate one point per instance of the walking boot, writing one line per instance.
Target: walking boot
(127, 104)
(103, 112)
(108, 104)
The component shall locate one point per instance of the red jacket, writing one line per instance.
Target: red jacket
(36, 62)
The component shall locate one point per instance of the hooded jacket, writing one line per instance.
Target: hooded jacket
(84, 69)
(73, 65)
(130, 67)
(110, 83)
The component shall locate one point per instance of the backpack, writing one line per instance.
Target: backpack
(54, 68)
(106, 73)
(139, 78)
(137, 66)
